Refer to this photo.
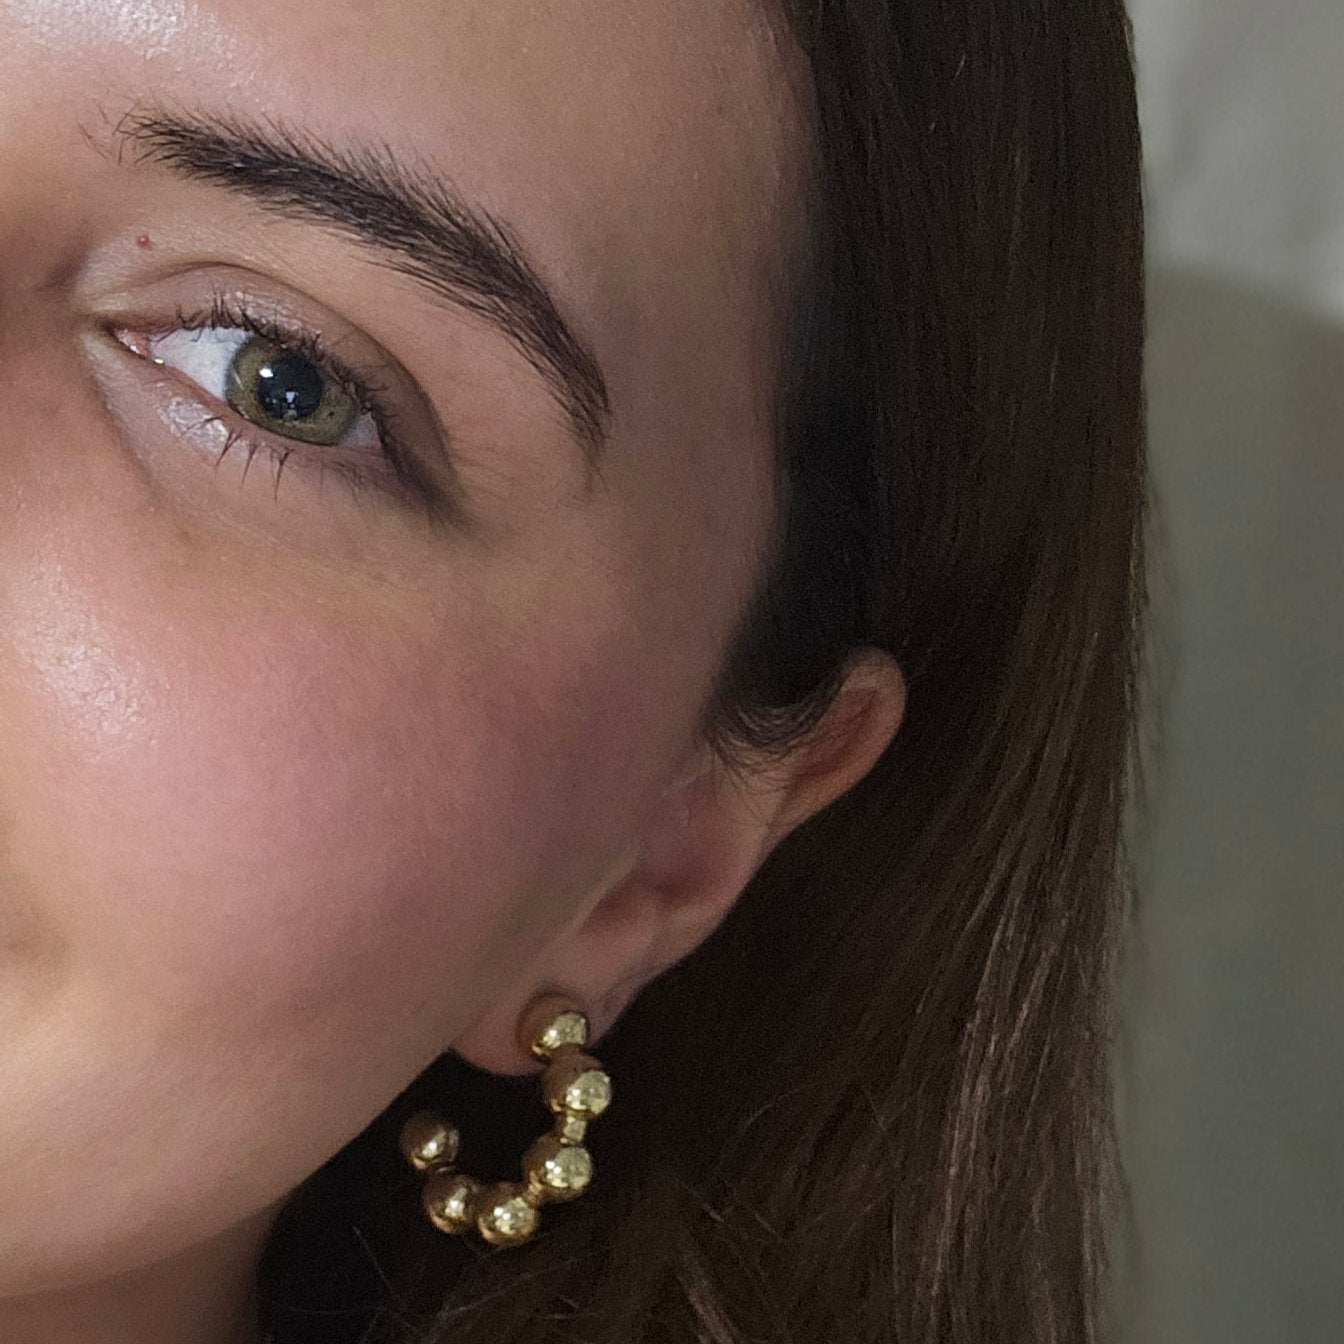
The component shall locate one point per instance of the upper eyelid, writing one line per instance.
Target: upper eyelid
(307, 341)
(245, 297)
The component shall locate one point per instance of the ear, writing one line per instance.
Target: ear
(712, 829)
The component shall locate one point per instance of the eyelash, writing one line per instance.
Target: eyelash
(226, 312)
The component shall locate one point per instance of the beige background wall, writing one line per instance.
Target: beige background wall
(1232, 1075)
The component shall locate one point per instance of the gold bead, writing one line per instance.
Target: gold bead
(450, 1199)
(550, 1023)
(428, 1142)
(557, 1170)
(570, 1128)
(507, 1214)
(569, 1028)
(576, 1082)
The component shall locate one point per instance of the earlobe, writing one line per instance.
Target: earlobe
(697, 851)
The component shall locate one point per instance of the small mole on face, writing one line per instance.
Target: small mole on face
(145, 241)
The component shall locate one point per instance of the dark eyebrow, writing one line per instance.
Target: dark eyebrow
(408, 214)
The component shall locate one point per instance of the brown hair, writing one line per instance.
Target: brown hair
(875, 1104)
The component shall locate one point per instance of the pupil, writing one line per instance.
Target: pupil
(289, 388)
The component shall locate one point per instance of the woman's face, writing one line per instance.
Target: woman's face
(299, 775)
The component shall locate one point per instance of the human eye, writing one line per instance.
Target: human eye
(281, 392)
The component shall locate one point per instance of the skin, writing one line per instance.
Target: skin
(296, 790)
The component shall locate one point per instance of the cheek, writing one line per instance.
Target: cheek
(294, 811)
(286, 848)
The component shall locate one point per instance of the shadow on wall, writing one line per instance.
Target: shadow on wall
(1231, 1078)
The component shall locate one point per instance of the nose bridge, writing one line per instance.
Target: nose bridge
(52, 435)
(70, 503)
(24, 105)
(49, 122)
(47, 165)
(76, 514)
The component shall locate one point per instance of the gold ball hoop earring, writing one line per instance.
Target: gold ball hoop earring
(556, 1167)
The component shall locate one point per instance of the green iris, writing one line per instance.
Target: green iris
(282, 391)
